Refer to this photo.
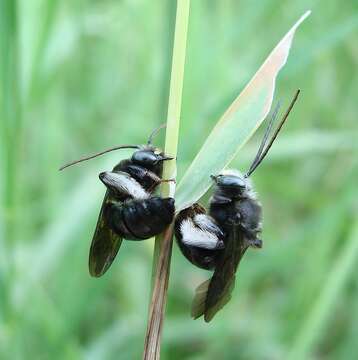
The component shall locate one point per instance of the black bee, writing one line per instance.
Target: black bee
(130, 210)
(218, 240)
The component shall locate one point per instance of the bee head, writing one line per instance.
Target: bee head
(149, 157)
(232, 183)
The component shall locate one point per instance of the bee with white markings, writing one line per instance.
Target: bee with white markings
(130, 210)
(218, 240)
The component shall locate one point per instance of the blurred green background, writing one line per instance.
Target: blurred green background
(78, 76)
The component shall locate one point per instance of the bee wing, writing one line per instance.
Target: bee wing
(214, 294)
(105, 244)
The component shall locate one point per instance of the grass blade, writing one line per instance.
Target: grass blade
(236, 126)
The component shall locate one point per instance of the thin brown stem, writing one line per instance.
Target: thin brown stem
(163, 243)
(158, 302)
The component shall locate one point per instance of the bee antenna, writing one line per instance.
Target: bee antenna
(264, 139)
(262, 153)
(98, 154)
(155, 132)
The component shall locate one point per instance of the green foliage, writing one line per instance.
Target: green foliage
(238, 123)
(79, 76)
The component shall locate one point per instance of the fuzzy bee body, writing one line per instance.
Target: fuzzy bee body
(130, 209)
(226, 210)
(237, 207)
(236, 212)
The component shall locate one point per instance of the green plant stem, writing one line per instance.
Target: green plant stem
(163, 243)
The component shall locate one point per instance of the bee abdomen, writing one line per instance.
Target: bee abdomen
(141, 219)
(198, 236)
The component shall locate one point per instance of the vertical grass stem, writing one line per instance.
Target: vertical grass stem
(163, 243)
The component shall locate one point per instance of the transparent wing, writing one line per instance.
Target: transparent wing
(214, 294)
(105, 244)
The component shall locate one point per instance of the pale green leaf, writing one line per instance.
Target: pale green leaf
(236, 126)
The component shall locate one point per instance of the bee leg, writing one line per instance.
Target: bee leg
(148, 179)
(254, 243)
(219, 199)
(159, 181)
(251, 238)
(168, 180)
(234, 219)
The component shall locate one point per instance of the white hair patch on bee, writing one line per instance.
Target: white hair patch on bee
(233, 172)
(250, 192)
(194, 236)
(125, 183)
(206, 223)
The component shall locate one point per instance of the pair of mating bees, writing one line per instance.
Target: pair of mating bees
(216, 240)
